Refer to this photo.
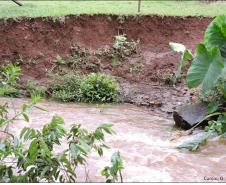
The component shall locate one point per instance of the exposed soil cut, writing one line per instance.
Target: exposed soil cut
(43, 39)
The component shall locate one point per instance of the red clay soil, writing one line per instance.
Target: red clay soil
(30, 37)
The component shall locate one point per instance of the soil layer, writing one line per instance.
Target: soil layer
(43, 39)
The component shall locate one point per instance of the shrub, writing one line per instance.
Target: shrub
(98, 88)
(65, 88)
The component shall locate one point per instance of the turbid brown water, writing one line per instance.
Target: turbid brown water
(143, 140)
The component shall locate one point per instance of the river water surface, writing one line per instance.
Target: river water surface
(144, 141)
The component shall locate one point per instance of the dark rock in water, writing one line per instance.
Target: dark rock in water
(189, 115)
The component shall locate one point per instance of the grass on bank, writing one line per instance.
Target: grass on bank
(9, 9)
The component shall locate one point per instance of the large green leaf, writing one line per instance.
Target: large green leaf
(185, 56)
(194, 145)
(180, 48)
(215, 34)
(207, 67)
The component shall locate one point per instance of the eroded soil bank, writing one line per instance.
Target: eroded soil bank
(43, 39)
(144, 141)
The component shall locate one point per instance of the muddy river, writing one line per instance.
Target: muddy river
(143, 140)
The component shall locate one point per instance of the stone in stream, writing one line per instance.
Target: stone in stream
(189, 115)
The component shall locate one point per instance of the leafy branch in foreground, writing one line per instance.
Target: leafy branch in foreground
(38, 162)
(5, 119)
(112, 172)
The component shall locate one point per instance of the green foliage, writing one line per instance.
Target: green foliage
(206, 68)
(165, 77)
(8, 91)
(115, 61)
(9, 74)
(9, 86)
(186, 56)
(94, 87)
(111, 172)
(120, 41)
(109, 8)
(212, 107)
(123, 48)
(215, 35)
(65, 88)
(218, 126)
(194, 145)
(53, 132)
(79, 58)
(98, 88)
(38, 161)
(32, 158)
(214, 127)
(78, 61)
(6, 119)
(208, 65)
(33, 87)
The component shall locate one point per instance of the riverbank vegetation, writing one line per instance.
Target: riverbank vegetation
(208, 71)
(77, 78)
(92, 88)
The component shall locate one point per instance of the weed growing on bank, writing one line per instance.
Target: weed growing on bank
(65, 88)
(98, 88)
(83, 59)
(92, 88)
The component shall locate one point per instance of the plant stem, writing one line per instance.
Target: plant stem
(121, 178)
